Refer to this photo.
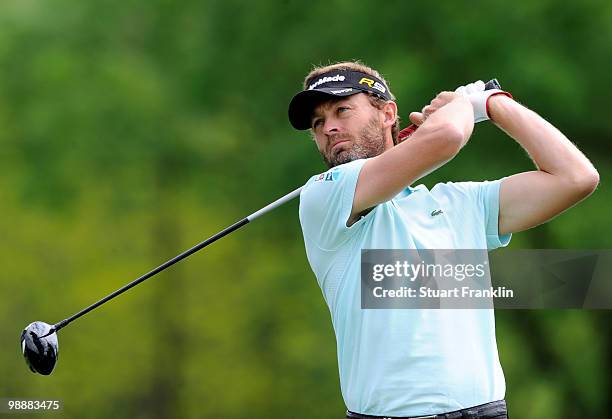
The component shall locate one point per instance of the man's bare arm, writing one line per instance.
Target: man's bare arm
(446, 129)
(564, 176)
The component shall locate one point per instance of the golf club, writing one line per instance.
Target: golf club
(39, 343)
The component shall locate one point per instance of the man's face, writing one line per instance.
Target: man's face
(348, 129)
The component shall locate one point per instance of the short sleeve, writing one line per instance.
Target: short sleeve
(489, 196)
(481, 199)
(326, 202)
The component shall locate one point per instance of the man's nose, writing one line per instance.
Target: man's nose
(331, 126)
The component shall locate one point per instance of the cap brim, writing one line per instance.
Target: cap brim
(302, 105)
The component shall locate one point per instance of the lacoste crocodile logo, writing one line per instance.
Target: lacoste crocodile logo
(436, 212)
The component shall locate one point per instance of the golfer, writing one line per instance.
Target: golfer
(421, 362)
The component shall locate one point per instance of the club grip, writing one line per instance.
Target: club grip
(410, 129)
(492, 84)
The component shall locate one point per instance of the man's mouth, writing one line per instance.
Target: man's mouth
(337, 145)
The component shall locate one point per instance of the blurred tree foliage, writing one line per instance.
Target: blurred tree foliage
(130, 130)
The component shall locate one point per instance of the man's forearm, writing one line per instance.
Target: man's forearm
(549, 149)
(458, 113)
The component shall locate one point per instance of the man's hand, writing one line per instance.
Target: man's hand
(436, 103)
(479, 97)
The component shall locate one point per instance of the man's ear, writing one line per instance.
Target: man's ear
(389, 113)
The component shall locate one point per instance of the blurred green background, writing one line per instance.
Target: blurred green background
(131, 130)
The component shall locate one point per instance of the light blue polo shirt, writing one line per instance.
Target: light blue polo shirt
(408, 362)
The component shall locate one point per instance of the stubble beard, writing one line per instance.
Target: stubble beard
(370, 142)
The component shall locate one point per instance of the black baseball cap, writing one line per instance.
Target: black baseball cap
(335, 83)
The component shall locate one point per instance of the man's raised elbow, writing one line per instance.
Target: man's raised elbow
(586, 182)
(591, 181)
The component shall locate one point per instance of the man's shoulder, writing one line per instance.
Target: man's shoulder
(326, 202)
(334, 177)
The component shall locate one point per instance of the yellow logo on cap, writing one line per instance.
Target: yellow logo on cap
(367, 81)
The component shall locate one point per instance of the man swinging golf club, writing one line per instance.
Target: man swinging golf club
(422, 362)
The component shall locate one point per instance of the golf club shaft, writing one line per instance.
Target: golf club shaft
(178, 258)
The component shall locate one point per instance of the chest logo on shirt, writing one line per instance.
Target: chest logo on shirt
(328, 176)
(436, 212)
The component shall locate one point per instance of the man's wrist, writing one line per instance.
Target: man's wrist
(496, 105)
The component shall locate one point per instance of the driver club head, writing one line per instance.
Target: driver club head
(39, 352)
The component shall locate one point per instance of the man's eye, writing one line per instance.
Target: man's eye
(342, 109)
(316, 123)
